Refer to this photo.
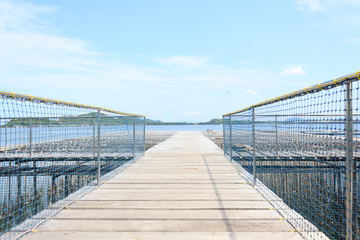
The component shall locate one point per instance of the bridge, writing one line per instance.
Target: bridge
(285, 168)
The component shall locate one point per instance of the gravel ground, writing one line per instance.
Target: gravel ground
(216, 137)
(153, 138)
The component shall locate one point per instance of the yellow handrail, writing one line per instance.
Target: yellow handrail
(31, 98)
(316, 88)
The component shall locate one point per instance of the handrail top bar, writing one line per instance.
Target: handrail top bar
(52, 117)
(59, 102)
(294, 115)
(315, 88)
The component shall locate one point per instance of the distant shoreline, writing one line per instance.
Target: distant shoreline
(175, 123)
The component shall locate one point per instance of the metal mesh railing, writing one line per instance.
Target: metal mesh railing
(52, 152)
(302, 151)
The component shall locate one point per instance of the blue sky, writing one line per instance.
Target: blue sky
(175, 60)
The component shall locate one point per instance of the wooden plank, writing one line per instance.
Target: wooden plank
(183, 188)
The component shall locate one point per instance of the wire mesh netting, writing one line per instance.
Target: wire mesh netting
(304, 150)
(53, 153)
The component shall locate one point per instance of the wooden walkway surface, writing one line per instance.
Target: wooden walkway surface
(182, 189)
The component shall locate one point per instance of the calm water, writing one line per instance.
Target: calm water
(181, 128)
(21, 135)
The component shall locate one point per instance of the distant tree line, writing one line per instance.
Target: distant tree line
(214, 121)
(89, 119)
(80, 120)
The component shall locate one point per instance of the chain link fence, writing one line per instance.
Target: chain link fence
(53, 152)
(301, 150)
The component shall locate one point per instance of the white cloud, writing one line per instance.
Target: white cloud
(193, 113)
(35, 60)
(310, 5)
(37, 41)
(294, 70)
(27, 42)
(22, 15)
(322, 5)
(185, 61)
(29, 50)
(251, 91)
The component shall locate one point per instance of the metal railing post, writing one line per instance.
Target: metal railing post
(94, 137)
(144, 135)
(67, 124)
(10, 164)
(134, 138)
(349, 163)
(253, 146)
(98, 150)
(18, 164)
(30, 137)
(230, 138)
(276, 136)
(30, 154)
(224, 135)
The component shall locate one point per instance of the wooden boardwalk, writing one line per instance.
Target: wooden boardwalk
(182, 189)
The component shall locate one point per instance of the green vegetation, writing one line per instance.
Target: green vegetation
(214, 121)
(88, 119)
(158, 122)
(34, 122)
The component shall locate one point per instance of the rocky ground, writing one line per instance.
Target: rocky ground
(216, 137)
(153, 138)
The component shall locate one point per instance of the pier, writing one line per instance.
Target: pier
(285, 168)
(183, 188)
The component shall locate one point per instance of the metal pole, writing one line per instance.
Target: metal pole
(224, 135)
(253, 146)
(67, 123)
(144, 135)
(19, 203)
(34, 160)
(66, 187)
(349, 164)
(50, 134)
(53, 189)
(134, 138)
(98, 149)
(10, 164)
(30, 137)
(94, 137)
(230, 150)
(276, 137)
